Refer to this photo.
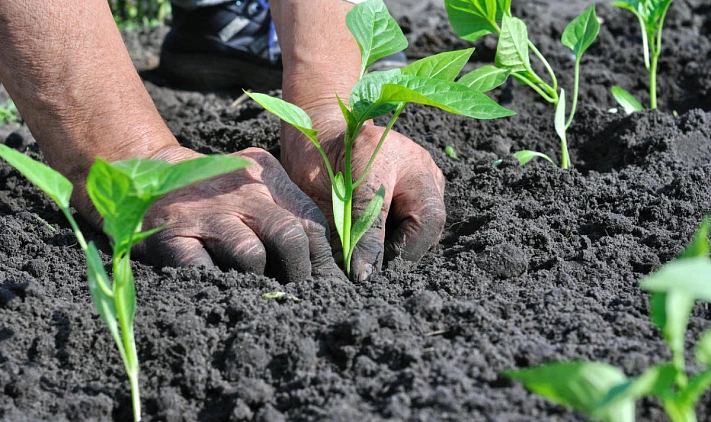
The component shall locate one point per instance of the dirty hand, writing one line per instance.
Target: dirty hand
(254, 219)
(413, 213)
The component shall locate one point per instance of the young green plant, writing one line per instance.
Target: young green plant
(473, 19)
(604, 392)
(429, 81)
(650, 15)
(121, 192)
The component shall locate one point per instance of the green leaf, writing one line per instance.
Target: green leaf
(366, 219)
(348, 115)
(449, 150)
(691, 276)
(445, 66)
(670, 312)
(116, 199)
(187, 172)
(525, 155)
(376, 32)
(581, 32)
(628, 102)
(288, 112)
(697, 385)
(512, 50)
(280, 296)
(365, 96)
(125, 289)
(703, 349)
(472, 19)
(338, 197)
(655, 381)
(58, 187)
(98, 286)
(699, 245)
(559, 120)
(579, 385)
(485, 78)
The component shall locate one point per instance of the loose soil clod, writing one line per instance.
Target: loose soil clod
(536, 264)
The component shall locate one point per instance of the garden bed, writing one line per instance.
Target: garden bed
(536, 264)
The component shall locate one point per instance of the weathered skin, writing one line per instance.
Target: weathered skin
(73, 81)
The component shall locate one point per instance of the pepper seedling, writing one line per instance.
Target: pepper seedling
(122, 192)
(429, 81)
(473, 19)
(650, 14)
(604, 392)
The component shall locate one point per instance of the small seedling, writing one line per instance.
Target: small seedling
(472, 19)
(121, 192)
(650, 14)
(449, 150)
(8, 113)
(604, 392)
(429, 81)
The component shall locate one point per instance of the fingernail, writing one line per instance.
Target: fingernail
(365, 272)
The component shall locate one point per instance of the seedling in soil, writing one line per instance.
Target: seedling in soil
(8, 113)
(429, 81)
(650, 14)
(604, 392)
(472, 19)
(121, 192)
(449, 150)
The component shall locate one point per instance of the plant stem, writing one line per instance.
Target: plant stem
(653, 83)
(396, 114)
(525, 80)
(348, 202)
(543, 60)
(564, 155)
(126, 325)
(574, 104)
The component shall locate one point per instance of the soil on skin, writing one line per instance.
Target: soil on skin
(536, 264)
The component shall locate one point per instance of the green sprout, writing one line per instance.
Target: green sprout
(604, 392)
(121, 192)
(8, 113)
(134, 14)
(449, 150)
(429, 81)
(472, 19)
(650, 14)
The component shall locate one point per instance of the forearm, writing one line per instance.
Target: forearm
(321, 57)
(66, 68)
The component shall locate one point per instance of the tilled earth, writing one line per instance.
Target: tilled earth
(536, 264)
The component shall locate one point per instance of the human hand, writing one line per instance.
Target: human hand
(254, 219)
(413, 213)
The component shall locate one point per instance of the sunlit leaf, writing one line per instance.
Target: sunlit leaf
(338, 192)
(581, 32)
(445, 66)
(703, 349)
(525, 155)
(368, 216)
(559, 120)
(288, 112)
(655, 381)
(472, 19)
(578, 385)
(376, 32)
(691, 276)
(58, 187)
(485, 78)
(628, 102)
(512, 50)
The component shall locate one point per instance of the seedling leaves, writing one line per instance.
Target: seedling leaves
(581, 32)
(100, 289)
(366, 219)
(338, 193)
(626, 100)
(579, 385)
(691, 276)
(559, 121)
(512, 50)
(699, 245)
(524, 156)
(696, 387)
(445, 66)
(58, 187)
(703, 349)
(485, 78)
(655, 381)
(288, 112)
(377, 33)
(472, 19)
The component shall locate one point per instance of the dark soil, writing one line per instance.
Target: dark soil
(536, 264)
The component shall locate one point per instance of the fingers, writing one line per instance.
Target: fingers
(417, 216)
(313, 223)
